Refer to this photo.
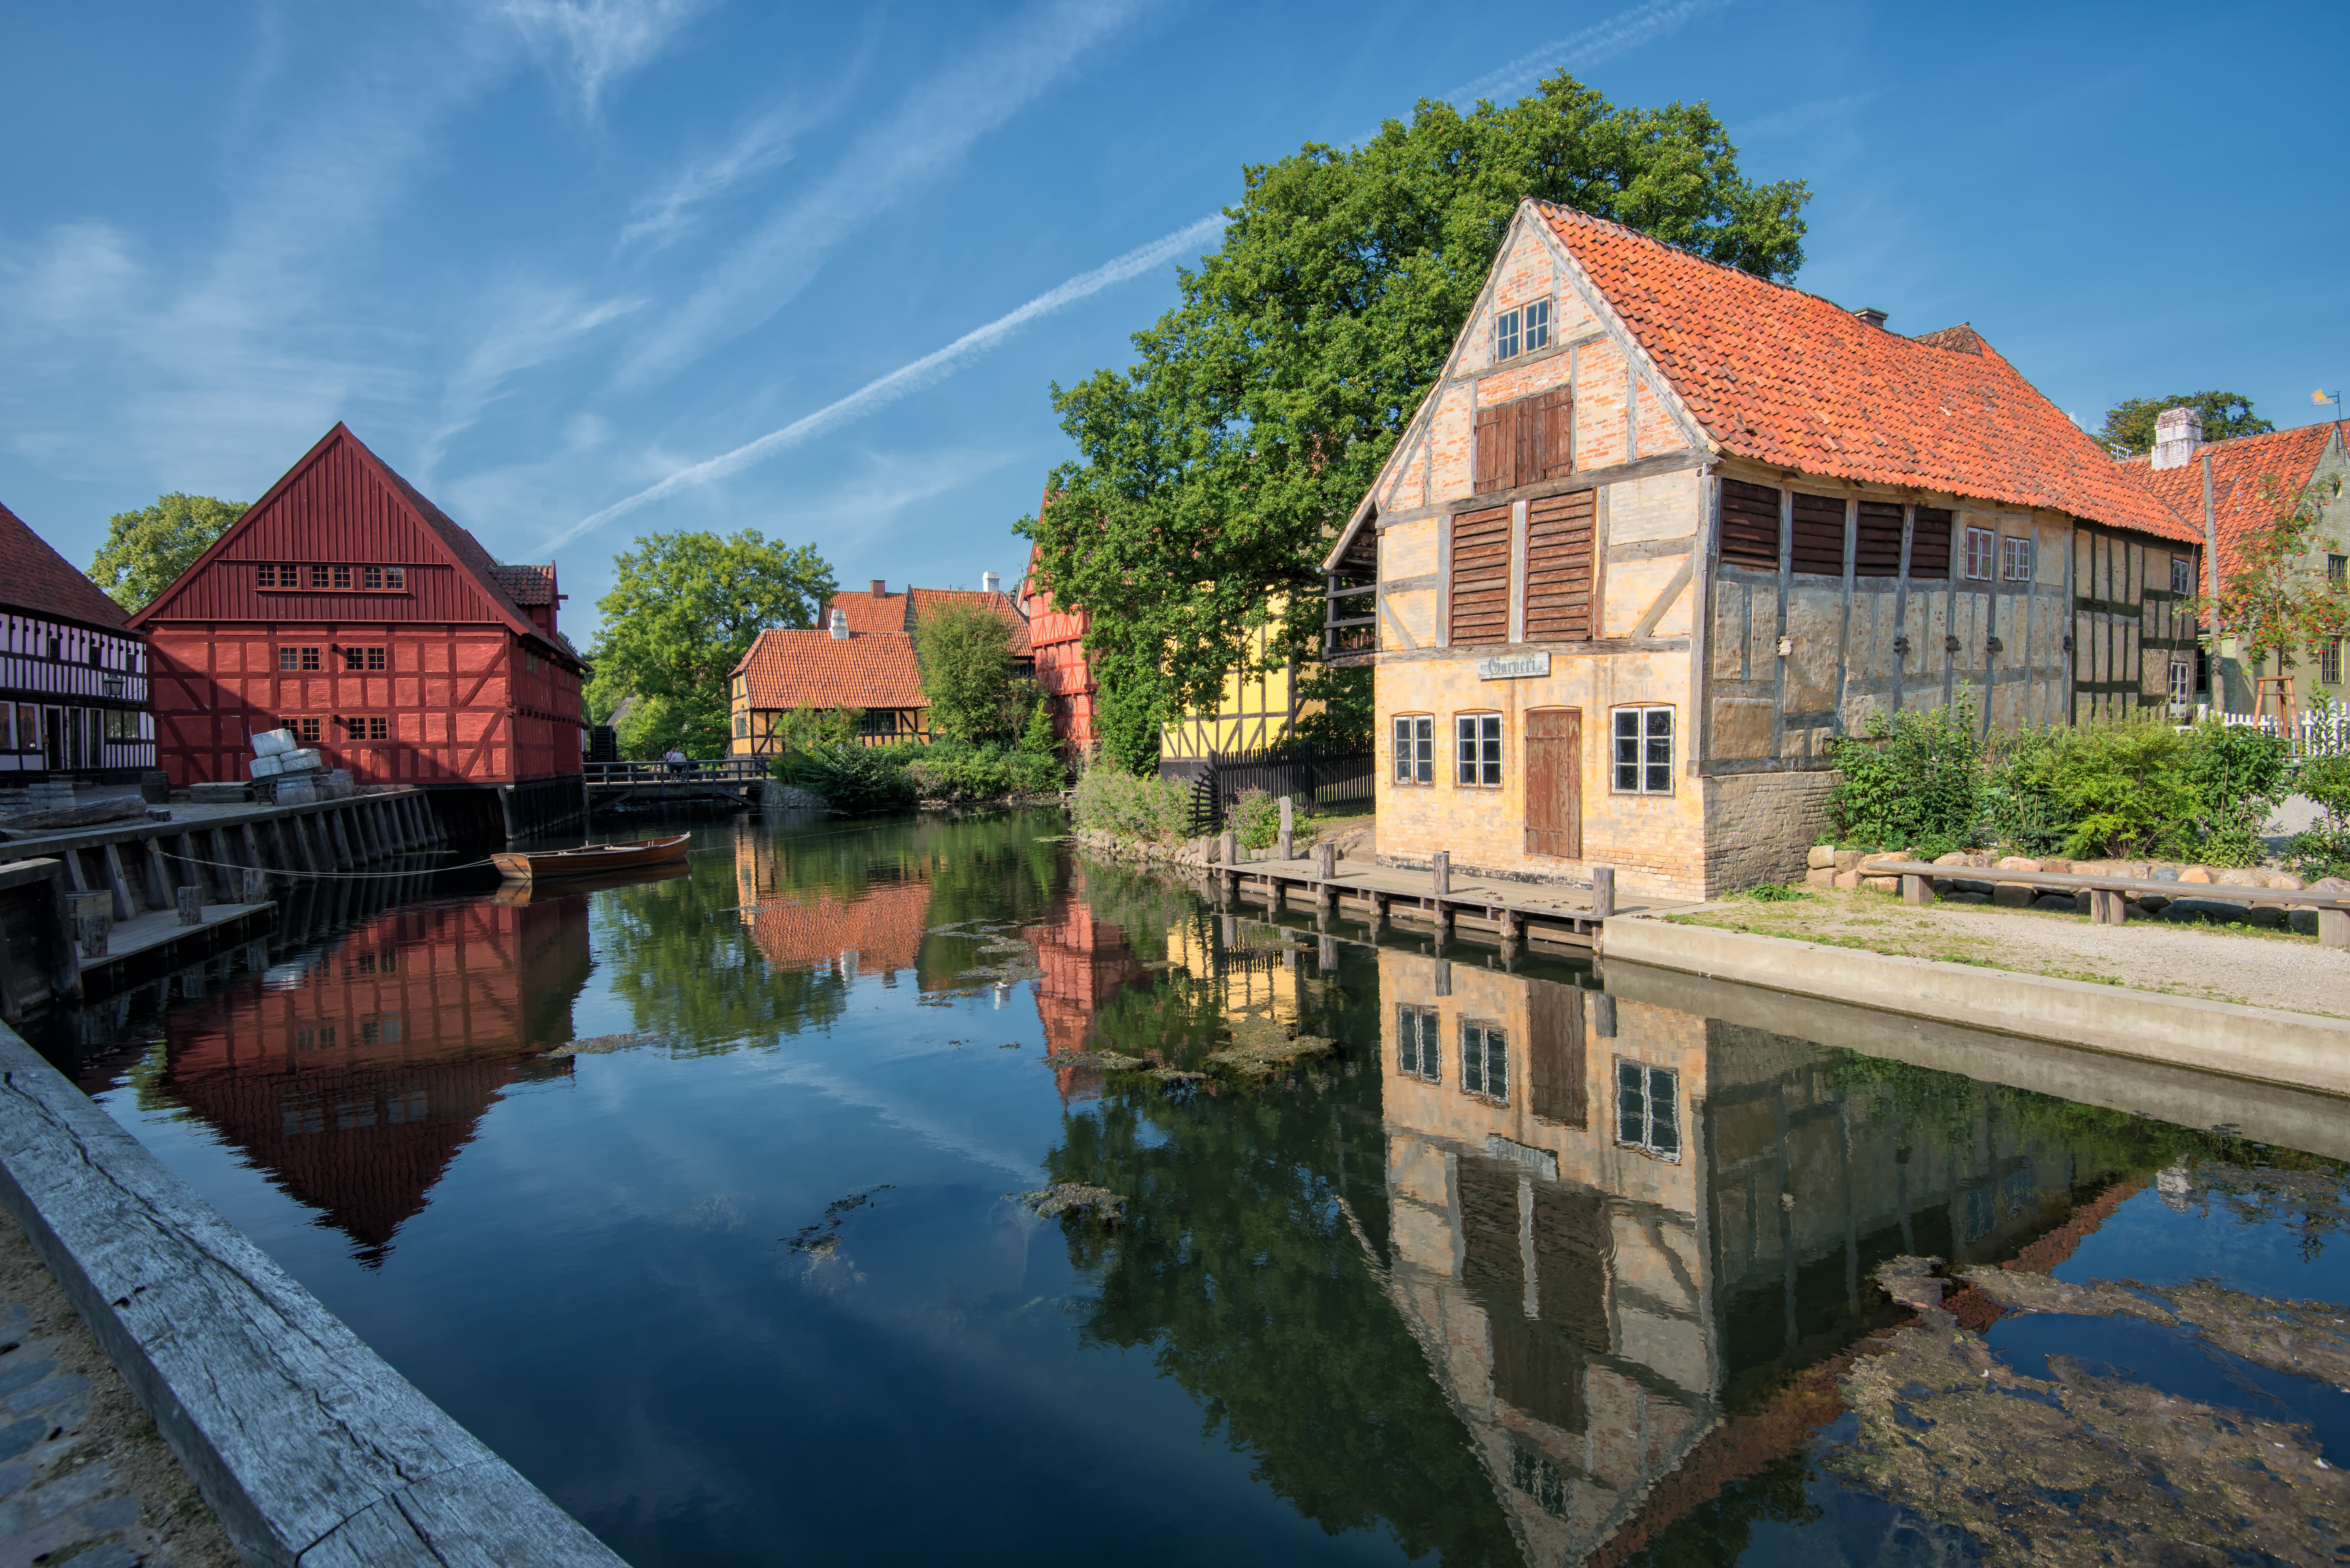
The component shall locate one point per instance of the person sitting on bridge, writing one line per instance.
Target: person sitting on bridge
(675, 759)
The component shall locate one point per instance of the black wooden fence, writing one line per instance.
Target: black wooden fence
(1319, 781)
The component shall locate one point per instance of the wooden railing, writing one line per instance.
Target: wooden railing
(724, 773)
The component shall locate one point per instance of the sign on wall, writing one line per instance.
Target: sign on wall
(1513, 666)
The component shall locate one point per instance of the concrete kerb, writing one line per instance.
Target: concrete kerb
(2297, 1049)
(309, 1447)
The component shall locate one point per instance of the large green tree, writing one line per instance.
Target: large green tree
(2129, 425)
(1214, 470)
(965, 652)
(148, 548)
(682, 610)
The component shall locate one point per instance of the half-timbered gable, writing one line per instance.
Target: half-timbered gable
(347, 606)
(1661, 529)
(73, 674)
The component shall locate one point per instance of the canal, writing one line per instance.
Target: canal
(701, 1200)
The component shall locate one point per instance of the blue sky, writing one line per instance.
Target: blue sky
(592, 269)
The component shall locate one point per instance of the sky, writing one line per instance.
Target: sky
(585, 270)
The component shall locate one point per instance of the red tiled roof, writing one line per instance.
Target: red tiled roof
(526, 585)
(868, 611)
(786, 668)
(36, 578)
(883, 926)
(929, 600)
(1789, 378)
(2240, 470)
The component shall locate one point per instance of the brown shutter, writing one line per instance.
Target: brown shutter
(1877, 553)
(1552, 414)
(1480, 576)
(1930, 545)
(1819, 534)
(1528, 431)
(1495, 450)
(1749, 525)
(1559, 537)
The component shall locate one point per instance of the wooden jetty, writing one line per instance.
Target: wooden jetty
(1556, 915)
(113, 904)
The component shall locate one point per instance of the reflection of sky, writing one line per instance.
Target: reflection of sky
(601, 1289)
(2146, 1239)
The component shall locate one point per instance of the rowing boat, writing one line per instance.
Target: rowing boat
(540, 865)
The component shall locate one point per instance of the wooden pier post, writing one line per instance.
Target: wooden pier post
(118, 885)
(1441, 883)
(1379, 912)
(191, 905)
(1329, 955)
(1325, 868)
(1603, 891)
(1228, 853)
(1289, 831)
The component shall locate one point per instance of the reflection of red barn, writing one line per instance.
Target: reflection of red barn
(1085, 963)
(354, 1087)
(882, 926)
(1058, 640)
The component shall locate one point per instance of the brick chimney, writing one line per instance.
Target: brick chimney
(880, 587)
(2177, 434)
(1872, 316)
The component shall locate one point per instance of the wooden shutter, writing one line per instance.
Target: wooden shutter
(1548, 419)
(1559, 537)
(1496, 454)
(1876, 552)
(1819, 534)
(1749, 525)
(1480, 576)
(1930, 545)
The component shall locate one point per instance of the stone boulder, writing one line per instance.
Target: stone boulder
(2243, 877)
(2200, 875)
(2285, 882)
(2015, 862)
(1821, 858)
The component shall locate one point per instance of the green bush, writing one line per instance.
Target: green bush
(859, 781)
(1254, 819)
(1914, 781)
(2123, 787)
(950, 772)
(2237, 775)
(2020, 804)
(2324, 849)
(1110, 800)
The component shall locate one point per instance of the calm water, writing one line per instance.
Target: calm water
(698, 1200)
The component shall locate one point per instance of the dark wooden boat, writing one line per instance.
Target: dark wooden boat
(592, 859)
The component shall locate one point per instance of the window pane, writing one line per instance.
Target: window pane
(1506, 335)
(1403, 751)
(1630, 1104)
(1491, 726)
(1424, 731)
(1538, 326)
(1664, 1122)
(1497, 1065)
(395, 576)
(1465, 761)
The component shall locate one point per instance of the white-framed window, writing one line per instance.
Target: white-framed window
(1477, 739)
(1419, 1052)
(2182, 576)
(1647, 1109)
(2015, 559)
(1415, 749)
(1484, 1061)
(1538, 325)
(2182, 681)
(1644, 751)
(1506, 335)
(1980, 542)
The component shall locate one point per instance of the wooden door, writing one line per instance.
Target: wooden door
(1555, 1062)
(1555, 782)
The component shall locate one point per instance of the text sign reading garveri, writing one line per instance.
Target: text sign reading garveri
(1514, 666)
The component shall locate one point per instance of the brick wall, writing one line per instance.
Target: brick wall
(1757, 826)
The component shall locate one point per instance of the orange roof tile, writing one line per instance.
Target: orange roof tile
(786, 668)
(2240, 470)
(36, 578)
(1789, 378)
(868, 611)
(929, 600)
(883, 926)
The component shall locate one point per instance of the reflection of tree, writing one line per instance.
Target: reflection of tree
(1720, 1529)
(1236, 1264)
(689, 971)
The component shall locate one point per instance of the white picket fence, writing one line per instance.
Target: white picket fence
(2309, 735)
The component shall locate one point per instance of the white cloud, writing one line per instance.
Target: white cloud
(933, 125)
(598, 42)
(535, 323)
(665, 214)
(924, 373)
(1595, 45)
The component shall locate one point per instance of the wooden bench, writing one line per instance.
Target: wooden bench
(2109, 895)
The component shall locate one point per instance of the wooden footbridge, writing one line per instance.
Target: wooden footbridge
(729, 783)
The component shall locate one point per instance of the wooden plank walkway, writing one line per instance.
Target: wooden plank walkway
(1534, 912)
(145, 945)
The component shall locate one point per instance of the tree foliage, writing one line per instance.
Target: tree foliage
(1214, 472)
(2273, 603)
(146, 549)
(2129, 425)
(1914, 781)
(682, 610)
(965, 650)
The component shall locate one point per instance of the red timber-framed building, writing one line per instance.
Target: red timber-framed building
(348, 607)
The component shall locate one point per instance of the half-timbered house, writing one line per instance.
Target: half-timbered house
(1661, 530)
(346, 606)
(1056, 640)
(73, 674)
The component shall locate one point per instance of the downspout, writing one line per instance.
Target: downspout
(2211, 572)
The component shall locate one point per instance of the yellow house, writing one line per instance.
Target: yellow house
(1258, 709)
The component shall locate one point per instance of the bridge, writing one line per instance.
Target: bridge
(729, 783)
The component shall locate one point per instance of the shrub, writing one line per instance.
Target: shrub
(1774, 893)
(2019, 805)
(946, 771)
(2123, 787)
(1913, 781)
(859, 781)
(2237, 775)
(1254, 819)
(2324, 849)
(1109, 800)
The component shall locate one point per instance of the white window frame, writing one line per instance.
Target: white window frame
(1415, 750)
(1639, 1090)
(1981, 553)
(2182, 681)
(1477, 753)
(1641, 750)
(1537, 325)
(2182, 576)
(2015, 558)
(1420, 1042)
(1505, 336)
(1485, 1060)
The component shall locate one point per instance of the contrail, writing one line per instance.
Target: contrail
(1600, 41)
(926, 372)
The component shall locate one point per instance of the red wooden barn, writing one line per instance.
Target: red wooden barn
(348, 607)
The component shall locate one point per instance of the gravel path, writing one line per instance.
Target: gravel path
(2259, 969)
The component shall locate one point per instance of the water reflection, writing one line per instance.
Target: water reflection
(1521, 1270)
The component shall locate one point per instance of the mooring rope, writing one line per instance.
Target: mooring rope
(325, 876)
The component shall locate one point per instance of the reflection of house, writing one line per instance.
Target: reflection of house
(878, 929)
(73, 686)
(1615, 1222)
(1085, 960)
(2232, 491)
(354, 1082)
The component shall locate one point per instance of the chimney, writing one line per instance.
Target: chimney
(989, 583)
(880, 587)
(1871, 315)
(840, 625)
(2177, 434)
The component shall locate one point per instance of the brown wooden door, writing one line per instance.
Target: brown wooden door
(1554, 1065)
(1555, 782)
